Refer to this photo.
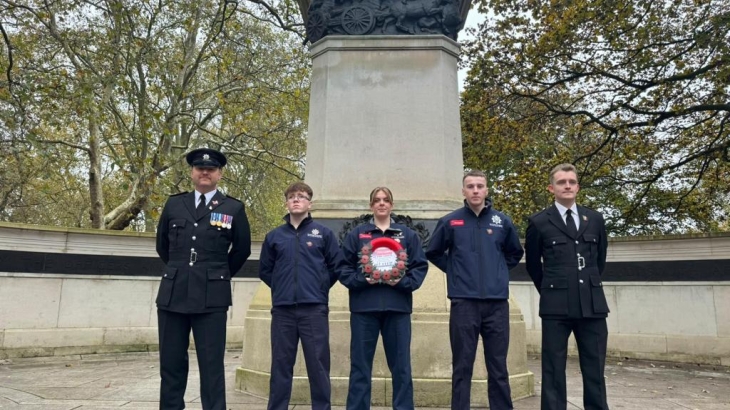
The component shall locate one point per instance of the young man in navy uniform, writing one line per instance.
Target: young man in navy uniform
(298, 262)
(566, 254)
(204, 239)
(476, 246)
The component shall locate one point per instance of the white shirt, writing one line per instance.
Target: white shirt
(563, 210)
(208, 197)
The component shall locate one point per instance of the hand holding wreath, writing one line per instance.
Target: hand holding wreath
(383, 260)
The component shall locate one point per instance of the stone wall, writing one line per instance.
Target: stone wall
(680, 311)
(44, 312)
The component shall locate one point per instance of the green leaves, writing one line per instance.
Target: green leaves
(111, 95)
(633, 92)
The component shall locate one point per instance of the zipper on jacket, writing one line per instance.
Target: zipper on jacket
(296, 268)
(382, 298)
(481, 255)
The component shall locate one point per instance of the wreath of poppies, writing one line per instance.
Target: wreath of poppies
(390, 273)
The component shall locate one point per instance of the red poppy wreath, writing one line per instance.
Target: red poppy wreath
(383, 260)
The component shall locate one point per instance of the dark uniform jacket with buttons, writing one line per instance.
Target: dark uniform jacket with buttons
(569, 286)
(299, 264)
(200, 258)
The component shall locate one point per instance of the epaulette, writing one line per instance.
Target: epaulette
(181, 193)
(235, 199)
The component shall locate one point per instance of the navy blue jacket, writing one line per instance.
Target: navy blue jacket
(476, 252)
(365, 297)
(299, 265)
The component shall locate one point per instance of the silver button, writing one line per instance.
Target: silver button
(174, 225)
(551, 286)
(192, 249)
(553, 242)
(193, 237)
(576, 242)
(195, 224)
(191, 264)
(221, 277)
(165, 275)
(581, 281)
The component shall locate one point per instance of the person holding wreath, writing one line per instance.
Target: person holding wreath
(383, 264)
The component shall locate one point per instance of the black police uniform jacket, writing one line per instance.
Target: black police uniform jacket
(568, 287)
(199, 265)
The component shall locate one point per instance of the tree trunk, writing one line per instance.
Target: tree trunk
(95, 186)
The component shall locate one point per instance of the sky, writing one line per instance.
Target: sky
(472, 20)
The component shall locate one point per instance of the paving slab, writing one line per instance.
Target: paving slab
(131, 382)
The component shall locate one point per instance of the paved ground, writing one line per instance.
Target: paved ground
(131, 381)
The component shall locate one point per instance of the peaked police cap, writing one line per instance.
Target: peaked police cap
(206, 157)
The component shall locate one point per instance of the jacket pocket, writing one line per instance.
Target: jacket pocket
(591, 242)
(167, 284)
(176, 232)
(218, 293)
(555, 247)
(215, 239)
(600, 305)
(554, 296)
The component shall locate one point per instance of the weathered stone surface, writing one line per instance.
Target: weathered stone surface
(396, 96)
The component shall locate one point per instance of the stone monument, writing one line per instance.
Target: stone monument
(384, 111)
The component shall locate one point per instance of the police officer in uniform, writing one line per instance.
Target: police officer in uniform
(204, 239)
(565, 247)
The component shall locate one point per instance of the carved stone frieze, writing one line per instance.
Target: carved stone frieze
(384, 17)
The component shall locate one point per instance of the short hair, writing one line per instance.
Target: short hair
(562, 167)
(388, 194)
(474, 173)
(298, 186)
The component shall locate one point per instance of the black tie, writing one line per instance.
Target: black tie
(201, 206)
(570, 223)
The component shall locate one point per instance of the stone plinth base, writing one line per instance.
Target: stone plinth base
(430, 351)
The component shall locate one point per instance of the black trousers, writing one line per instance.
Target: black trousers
(470, 318)
(396, 330)
(310, 324)
(209, 332)
(591, 336)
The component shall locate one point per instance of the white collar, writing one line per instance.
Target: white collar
(208, 196)
(563, 209)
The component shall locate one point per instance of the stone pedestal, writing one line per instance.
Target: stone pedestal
(384, 111)
(430, 351)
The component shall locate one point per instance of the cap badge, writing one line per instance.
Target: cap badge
(206, 157)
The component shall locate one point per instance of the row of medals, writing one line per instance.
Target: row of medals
(221, 220)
